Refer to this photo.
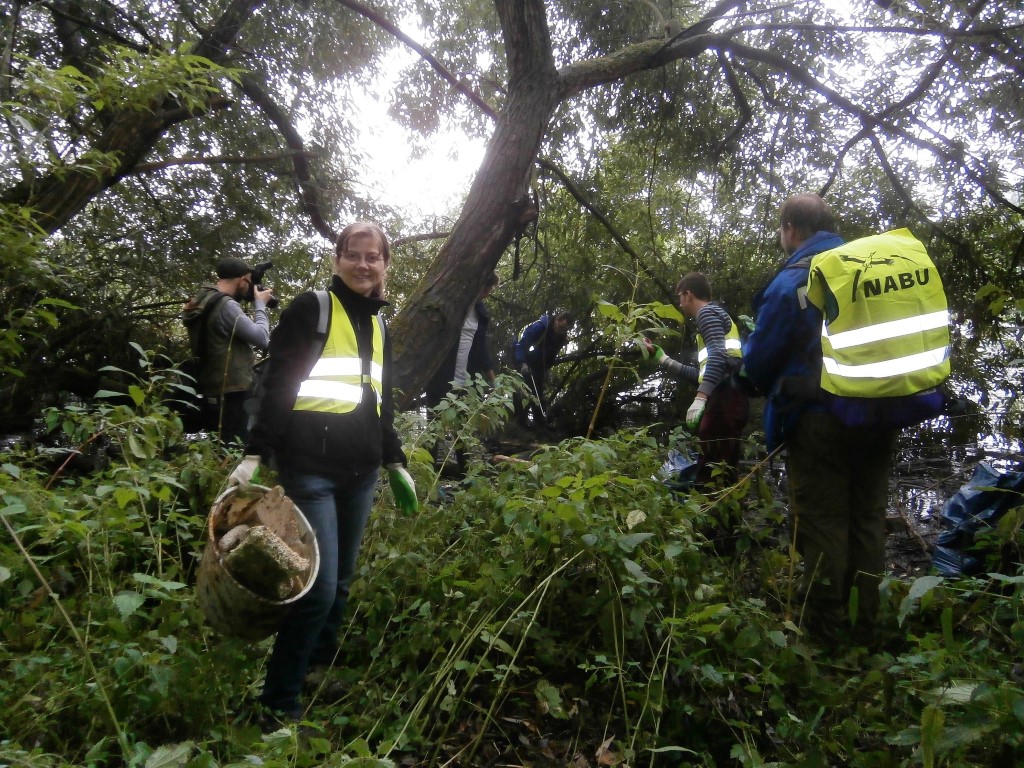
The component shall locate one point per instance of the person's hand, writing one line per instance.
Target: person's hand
(403, 489)
(747, 322)
(654, 350)
(695, 413)
(525, 372)
(242, 474)
(263, 295)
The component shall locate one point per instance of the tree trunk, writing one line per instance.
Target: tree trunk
(497, 207)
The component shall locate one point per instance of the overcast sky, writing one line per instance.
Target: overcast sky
(428, 186)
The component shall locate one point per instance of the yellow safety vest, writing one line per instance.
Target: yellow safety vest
(335, 385)
(886, 323)
(733, 348)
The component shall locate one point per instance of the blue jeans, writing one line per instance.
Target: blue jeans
(338, 511)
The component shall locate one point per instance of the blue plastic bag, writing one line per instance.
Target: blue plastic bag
(679, 471)
(977, 507)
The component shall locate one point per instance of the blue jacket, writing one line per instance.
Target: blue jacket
(539, 345)
(782, 357)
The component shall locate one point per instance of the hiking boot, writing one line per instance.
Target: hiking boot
(266, 719)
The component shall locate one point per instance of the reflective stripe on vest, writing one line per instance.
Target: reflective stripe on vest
(886, 324)
(335, 385)
(733, 348)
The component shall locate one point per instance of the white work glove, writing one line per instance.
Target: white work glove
(695, 413)
(402, 488)
(242, 474)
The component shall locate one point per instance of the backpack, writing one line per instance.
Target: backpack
(260, 371)
(188, 401)
(885, 330)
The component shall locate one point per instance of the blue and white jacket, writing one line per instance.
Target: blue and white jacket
(782, 357)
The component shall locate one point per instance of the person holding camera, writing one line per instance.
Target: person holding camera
(224, 339)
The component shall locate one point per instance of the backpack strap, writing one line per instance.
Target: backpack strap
(324, 298)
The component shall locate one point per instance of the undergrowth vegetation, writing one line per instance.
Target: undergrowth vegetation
(565, 610)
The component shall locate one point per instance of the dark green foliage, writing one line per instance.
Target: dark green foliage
(570, 595)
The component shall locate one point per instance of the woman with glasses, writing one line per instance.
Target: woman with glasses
(326, 426)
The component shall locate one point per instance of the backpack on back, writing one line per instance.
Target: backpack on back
(188, 402)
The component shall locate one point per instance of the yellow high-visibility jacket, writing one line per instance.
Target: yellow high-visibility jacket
(733, 348)
(335, 383)
(885, 331)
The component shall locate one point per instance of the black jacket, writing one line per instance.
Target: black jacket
(329, 444)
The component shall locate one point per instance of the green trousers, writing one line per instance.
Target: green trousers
(838, 490)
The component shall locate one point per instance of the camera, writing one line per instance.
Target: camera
(258, 272)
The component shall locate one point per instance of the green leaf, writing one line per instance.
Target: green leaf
(921, 587)
(637, 572)
(136, 447)
(610, 311)
(124, 496)
(673, 749)
(947, 627)
(630, 541)
(170, 755)
(128, 603)
(550, 699)
(1006, 579)
(668, 312)
(136, 394)
(98, 752)
(145, 578)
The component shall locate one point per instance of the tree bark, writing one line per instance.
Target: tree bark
(496, 209)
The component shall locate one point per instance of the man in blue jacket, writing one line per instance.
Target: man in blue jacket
(536, 351)
(838, 475)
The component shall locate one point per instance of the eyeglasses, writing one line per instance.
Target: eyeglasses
(354, 257)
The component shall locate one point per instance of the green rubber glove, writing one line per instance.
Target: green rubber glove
(654, 351)
(747, 322)
(403, 489)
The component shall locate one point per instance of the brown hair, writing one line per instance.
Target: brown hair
(696, 283)
(807, 213)
(371, 229)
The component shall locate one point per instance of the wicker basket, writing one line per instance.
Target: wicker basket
(229, 607)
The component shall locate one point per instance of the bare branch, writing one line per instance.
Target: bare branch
(803, 77)
(741, 102)
(598, 214)
(446, 74)
(219, 159)
(309, 192)
(422, 237)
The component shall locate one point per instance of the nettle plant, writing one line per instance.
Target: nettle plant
(100, 627)
(574, 591)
